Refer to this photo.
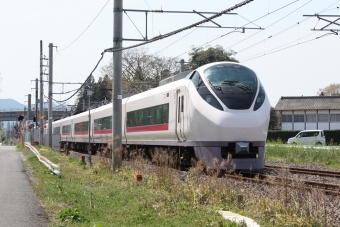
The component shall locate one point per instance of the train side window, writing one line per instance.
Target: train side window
(158, 115)
(194, 78)
(166, 113)
(197, 80)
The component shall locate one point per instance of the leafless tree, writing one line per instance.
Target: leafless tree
(330, 90)
(142, 70)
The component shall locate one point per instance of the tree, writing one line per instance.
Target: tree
(102, 89)
(2, 136)
(82, 95)
(330, 90)
(142, 70)
(274, 120)
(2, 132)
(199, 56)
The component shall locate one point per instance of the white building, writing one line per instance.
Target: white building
(309, 112)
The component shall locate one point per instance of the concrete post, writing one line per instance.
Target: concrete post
(29, 107)
(117, 86)
(50, 93)
(41, 97)
(36, 100)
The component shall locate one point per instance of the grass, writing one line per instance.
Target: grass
(279, 151)
(95, 196)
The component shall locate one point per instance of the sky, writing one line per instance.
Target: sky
(289, 58)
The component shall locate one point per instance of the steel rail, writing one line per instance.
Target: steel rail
(326, 173)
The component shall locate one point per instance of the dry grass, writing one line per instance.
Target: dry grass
(167, 192)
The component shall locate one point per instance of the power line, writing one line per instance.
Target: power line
(83, 83)
(280, 31)
(272, 36)
(160, 37)
(271, 24)
(286, 47)
(176, 41)
(153, 40)
(86, 27)
(147, 4)
(250, 22)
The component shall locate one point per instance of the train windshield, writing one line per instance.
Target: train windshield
(234, 84)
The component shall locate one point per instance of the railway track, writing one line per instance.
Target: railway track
(330, 189)
(325, 173)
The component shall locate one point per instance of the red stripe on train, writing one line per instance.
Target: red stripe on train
(103, 131)
(81, 133)
(146, 128)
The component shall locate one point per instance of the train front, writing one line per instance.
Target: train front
(231, 124)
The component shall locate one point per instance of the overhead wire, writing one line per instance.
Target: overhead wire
(176, 41)
(272, 36)
(155, 39)
(284, 44)
(83, 84)
(250, 22)
(147, 4)
(186, 28)
(86, 27)
(160, 37)
(286, 47)
(285, 31)
(271, 24)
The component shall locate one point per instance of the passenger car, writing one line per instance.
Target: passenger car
(309, 137)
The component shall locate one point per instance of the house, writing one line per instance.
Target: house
(309, 112)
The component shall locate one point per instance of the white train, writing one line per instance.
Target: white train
(219, 111)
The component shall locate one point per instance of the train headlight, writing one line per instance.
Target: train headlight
(260, 98)
(208, 98)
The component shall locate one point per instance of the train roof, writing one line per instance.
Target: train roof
(176, 77)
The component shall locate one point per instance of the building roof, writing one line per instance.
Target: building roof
(309, 103)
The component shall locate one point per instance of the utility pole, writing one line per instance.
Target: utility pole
(36, 101)
(29, 107)
(50, 94)
(41, 96)
(117, 86)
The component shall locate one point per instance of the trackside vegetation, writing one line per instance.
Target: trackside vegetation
(278, 150)
(93, 195)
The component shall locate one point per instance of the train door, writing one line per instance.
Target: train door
(180, 115)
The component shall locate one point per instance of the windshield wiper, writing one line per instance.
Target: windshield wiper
(216, 87)
(243, 86)
(237, 84)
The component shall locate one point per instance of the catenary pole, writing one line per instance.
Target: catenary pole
(41, 96)
(36, 101)
(50, 93)
(29, 107)
(117, 85)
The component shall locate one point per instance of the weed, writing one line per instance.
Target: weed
(166, 197)
(72, 215)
